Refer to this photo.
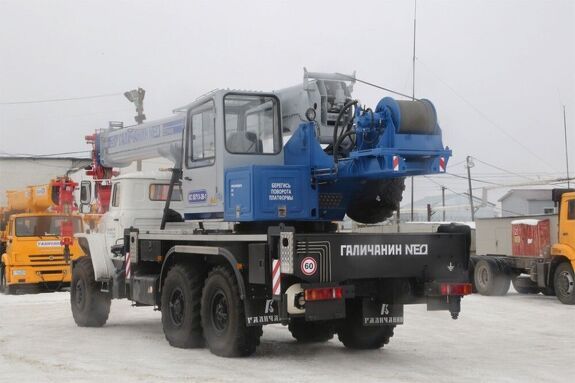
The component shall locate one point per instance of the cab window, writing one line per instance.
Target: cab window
(252, 124)
(571, 209)
(44, 225)
(201, 150)
(116, 195)
(159, 192)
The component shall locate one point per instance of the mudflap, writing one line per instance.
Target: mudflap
(375, 313)
(261, 311)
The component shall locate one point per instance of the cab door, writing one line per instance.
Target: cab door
(201, 198)
(567, 225)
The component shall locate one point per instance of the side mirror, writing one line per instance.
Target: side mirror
(85, 208)
(85, 192)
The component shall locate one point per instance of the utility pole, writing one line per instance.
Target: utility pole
(411, 198)
(136, 97)
(443, 201)
(469, 165)
(566, 148)
(413, 85)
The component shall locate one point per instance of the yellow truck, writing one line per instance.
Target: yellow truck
(36, 237)
(549, 271)
(564, 250)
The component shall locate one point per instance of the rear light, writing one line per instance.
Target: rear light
(323, 294)
(456, 289)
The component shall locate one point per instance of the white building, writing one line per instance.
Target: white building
(518, 202)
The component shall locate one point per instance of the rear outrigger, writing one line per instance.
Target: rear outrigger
(254, 242)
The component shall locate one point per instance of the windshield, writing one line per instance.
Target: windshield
(252, 124)
(44, 225)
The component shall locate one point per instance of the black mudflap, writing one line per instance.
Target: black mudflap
(381, 314)
(261, 311)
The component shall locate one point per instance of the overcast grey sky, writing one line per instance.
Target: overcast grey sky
(497, 71)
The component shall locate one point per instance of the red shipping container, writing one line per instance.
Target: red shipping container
(530, 237)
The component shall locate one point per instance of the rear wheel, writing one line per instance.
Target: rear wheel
(90, 306)
(223, 317)
(489, 279)
(524, 285)
(180, 305)
(564, 283)
(353, 334)
(310, 332)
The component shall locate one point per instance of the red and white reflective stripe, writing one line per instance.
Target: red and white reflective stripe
(276, 277)
(128, 266)
(395, 163)
(441, 164)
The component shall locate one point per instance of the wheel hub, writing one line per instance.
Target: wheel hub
(566, 283)
(220, 311)
(484, 277)
(177, 307)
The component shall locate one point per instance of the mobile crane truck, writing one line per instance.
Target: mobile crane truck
(36, 236)
(258, 243)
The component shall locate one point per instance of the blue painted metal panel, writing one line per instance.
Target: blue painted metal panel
(269, 193)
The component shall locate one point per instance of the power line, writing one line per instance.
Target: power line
(467, 195)
(474, 179)
(478, 111)
(503, 170)
(60, 99)
(42, 155)
(377, 86)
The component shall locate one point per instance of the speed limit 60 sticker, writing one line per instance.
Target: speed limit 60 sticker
(308, 266)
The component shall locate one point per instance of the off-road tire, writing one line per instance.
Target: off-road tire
(564, 283)
(223, 316)
(376, 200)
(90, 306)
(311, 332)
(180, 306)
(524, 285)
(489, 279)
(354, 335)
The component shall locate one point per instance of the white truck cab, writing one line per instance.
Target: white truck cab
(137, 200)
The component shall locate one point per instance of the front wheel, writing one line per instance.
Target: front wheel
(564, 283)
(90, 306)
(223, 317)
(4, 287)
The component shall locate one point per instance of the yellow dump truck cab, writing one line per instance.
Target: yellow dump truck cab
(32, 253)
(563, 251)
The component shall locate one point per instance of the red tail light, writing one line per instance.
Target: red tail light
(456, 289)
(323, 294)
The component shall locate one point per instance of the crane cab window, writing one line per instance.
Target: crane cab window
(252, 124)
(201, 149)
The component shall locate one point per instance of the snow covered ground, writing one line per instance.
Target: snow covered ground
(516, 338)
